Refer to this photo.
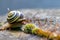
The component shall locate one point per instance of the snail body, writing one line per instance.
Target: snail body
(14, 19)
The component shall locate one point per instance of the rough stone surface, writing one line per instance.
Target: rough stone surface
(8, 35)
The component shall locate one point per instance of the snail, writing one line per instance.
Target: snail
(15, 16)
(14, 19)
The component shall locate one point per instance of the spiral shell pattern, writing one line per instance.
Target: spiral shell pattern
(13, 16)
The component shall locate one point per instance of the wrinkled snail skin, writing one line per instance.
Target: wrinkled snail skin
(40, 32)
(5, 26)
(9, 26)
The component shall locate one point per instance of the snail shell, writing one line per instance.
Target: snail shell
(15, 16)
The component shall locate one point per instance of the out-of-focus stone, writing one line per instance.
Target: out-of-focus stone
(7, 35)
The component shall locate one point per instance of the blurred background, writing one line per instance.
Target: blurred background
(49, 7)
(28, 4)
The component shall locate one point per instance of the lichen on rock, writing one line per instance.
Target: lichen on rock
(29, 27)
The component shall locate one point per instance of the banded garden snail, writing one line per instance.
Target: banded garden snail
(15, 20)
(15, 16)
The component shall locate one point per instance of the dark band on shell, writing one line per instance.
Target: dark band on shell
(14, 16)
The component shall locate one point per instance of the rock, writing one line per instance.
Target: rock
(8, 35)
